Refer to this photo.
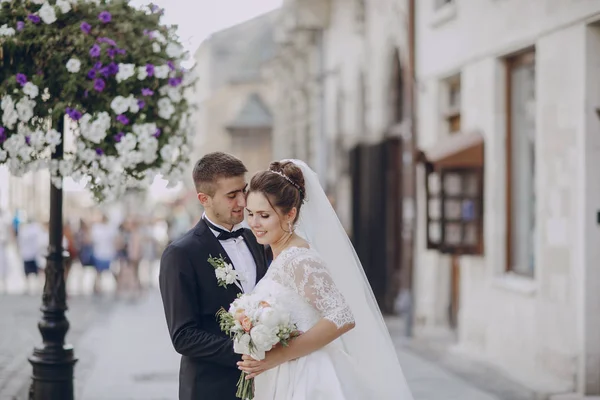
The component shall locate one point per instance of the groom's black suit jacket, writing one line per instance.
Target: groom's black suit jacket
(191, 298)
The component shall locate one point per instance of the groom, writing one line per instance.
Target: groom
(191, 292)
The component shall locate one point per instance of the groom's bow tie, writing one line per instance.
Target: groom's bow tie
(226, 235)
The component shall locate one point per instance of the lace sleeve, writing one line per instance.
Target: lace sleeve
(314, 283)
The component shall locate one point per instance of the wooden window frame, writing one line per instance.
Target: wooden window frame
(525, 57)
(460, 248)
(452, 111)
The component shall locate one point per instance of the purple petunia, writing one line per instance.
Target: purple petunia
(150, 69)
(73, 113)
(121, 52)
(20, 25)
(157, 133)
(34, 18)
(119, 136)
(107, 41)
(28, 140)
(91, 74)
(141, 104)
(105, 17)
(21, 79)
(175, 81)
(95, 51)
(98, 66)
(85, 27)
(2, 134)
(113, 68)
(147, 92)
(99, 85)
(149, 33)
(105, 71)
(99, 151)
(123, 119)
(111, 53)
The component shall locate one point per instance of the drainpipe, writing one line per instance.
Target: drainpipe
(413, 165)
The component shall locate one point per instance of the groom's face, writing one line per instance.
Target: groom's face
(226, 207)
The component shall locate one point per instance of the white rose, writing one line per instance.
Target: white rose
(241, 345)
(263, 338)
(272, 317)
(31, 90)
(73, 65)
(47, 14)
(64, 6)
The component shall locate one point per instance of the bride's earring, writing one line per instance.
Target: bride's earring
(291, 228)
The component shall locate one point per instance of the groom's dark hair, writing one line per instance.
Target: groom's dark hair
(213, 167)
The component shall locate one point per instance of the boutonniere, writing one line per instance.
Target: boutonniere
(224, 272)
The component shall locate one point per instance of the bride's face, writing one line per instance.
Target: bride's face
(263, 220)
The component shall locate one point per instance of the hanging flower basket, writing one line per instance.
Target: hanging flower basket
(112, 73)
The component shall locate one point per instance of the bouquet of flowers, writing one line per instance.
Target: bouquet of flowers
(256, 326)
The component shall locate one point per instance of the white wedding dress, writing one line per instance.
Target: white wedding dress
(299, 281)
(328, 281)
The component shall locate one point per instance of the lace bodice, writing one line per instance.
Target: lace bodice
(299, 280)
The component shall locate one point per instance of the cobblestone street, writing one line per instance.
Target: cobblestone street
(124, 351)
(125, 354)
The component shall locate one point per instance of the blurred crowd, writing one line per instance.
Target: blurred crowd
(109, 248)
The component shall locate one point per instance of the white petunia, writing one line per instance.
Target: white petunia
(25, 109)
(31, 90)
(38, 1)
(119, 105)
(46, 95)
(73, 65)
(142, 73)
(162, 71)
(10, 117)
(47, 13)
(64, 6)
(126, 71)
(174, 50)
(6, 31)
(156, 47)
(53, 137)
(159, 37)
(165, 108)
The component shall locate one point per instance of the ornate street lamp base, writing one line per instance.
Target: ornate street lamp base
(52, 377)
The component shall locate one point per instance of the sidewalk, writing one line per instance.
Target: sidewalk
(133, 360)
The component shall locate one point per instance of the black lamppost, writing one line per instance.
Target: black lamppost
(54, 360)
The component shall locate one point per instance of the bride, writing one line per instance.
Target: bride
(345, 351)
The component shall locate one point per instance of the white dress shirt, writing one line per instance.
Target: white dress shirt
(240, 255)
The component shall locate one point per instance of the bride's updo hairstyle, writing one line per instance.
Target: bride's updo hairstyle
(283, 186)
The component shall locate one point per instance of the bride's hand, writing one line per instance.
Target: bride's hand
(253, 368)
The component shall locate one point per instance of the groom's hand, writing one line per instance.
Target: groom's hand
(253, 368)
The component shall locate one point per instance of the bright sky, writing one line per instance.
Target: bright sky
(197, 19)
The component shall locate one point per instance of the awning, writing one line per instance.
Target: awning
(459, 150)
